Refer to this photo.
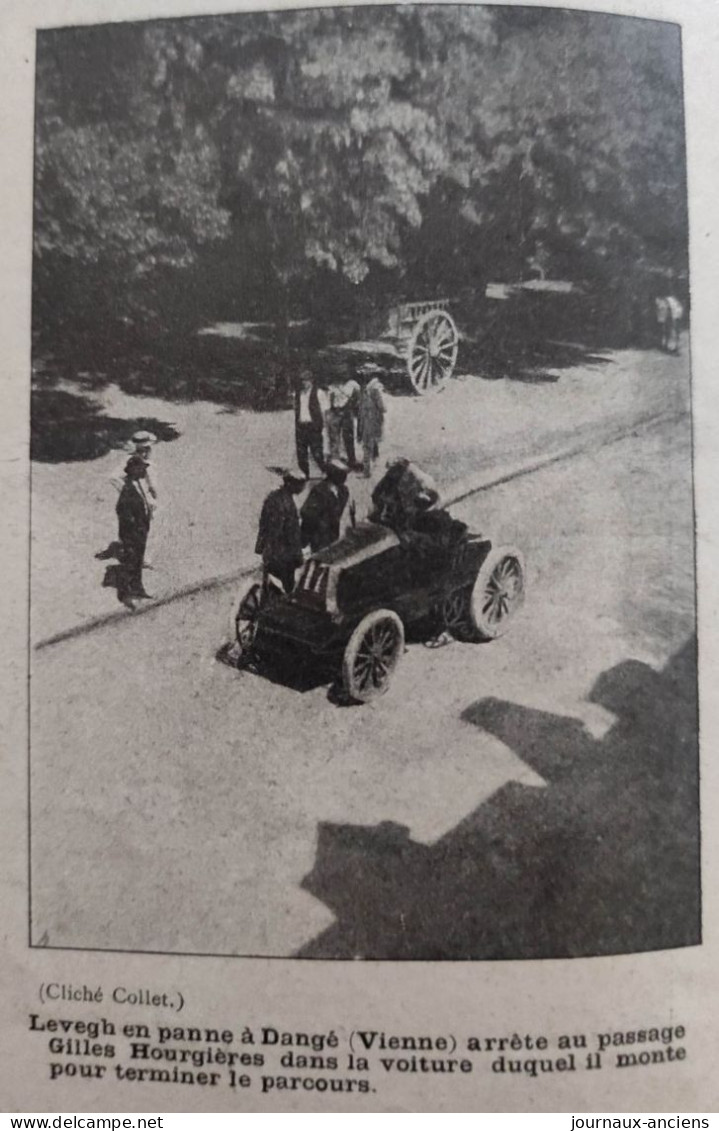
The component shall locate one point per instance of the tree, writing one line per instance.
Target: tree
(588, 141)
(422, 145)
(122, 188)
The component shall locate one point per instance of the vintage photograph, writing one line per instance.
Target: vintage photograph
(363, 604)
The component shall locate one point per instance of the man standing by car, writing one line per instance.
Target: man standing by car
(324, 506)
(278, 539)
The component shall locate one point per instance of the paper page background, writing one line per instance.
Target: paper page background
(551, 996)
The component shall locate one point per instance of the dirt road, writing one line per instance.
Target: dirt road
(213, 478)
(532, 796)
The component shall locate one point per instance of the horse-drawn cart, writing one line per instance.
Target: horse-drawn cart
(420, 342)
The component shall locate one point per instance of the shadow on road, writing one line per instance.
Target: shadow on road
(604, 859)
(530, 362)
(302, 676)
(70, 426)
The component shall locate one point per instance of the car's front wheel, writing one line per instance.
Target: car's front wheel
(372, 653)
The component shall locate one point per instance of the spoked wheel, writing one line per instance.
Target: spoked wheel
(432, 351)
(243, 618)
(372, 654)
(497, 595)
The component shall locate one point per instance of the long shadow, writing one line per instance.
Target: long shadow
(70, 426)
(603, 859)
(257, 372)
(181, 367)
(526, 360)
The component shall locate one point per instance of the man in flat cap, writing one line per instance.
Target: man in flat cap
(324, 506)
(278, 539)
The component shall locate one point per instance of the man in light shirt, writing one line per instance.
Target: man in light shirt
(669, 312)
(341, 416)
(309, 423)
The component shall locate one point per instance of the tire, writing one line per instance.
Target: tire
(497, 594)
(243, 616)
(372, 653)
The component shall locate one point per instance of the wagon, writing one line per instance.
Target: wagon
(419, 343)
(358, 600)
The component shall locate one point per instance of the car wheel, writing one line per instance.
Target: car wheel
(372, 654)
(497, 594)
(243, 616)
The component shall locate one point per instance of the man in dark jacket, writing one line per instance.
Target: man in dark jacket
(278, 538)
(324, 506)
(134, 514)
(309, 423)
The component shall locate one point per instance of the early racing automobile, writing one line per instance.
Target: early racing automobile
(357, 600)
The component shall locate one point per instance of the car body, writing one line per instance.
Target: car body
(356, 601)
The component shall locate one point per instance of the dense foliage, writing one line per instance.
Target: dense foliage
(238, 166)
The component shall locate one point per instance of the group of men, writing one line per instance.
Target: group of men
(347, 411)
(284, 532)
(401, 500)
(333, 417)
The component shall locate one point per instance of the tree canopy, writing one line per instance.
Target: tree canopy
(430, 146)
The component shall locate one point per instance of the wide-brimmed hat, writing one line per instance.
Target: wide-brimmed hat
(339, 465)
(288, 472)
(143, 438)
(293, 475)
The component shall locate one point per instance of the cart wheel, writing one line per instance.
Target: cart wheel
(243, 617)
(497, 594)
(432, 351)
(372, 654)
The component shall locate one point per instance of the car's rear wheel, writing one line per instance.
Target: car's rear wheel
(243, 617)
(372, 653)
(497, 594)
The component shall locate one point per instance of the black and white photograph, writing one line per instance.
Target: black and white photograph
(362, 531)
